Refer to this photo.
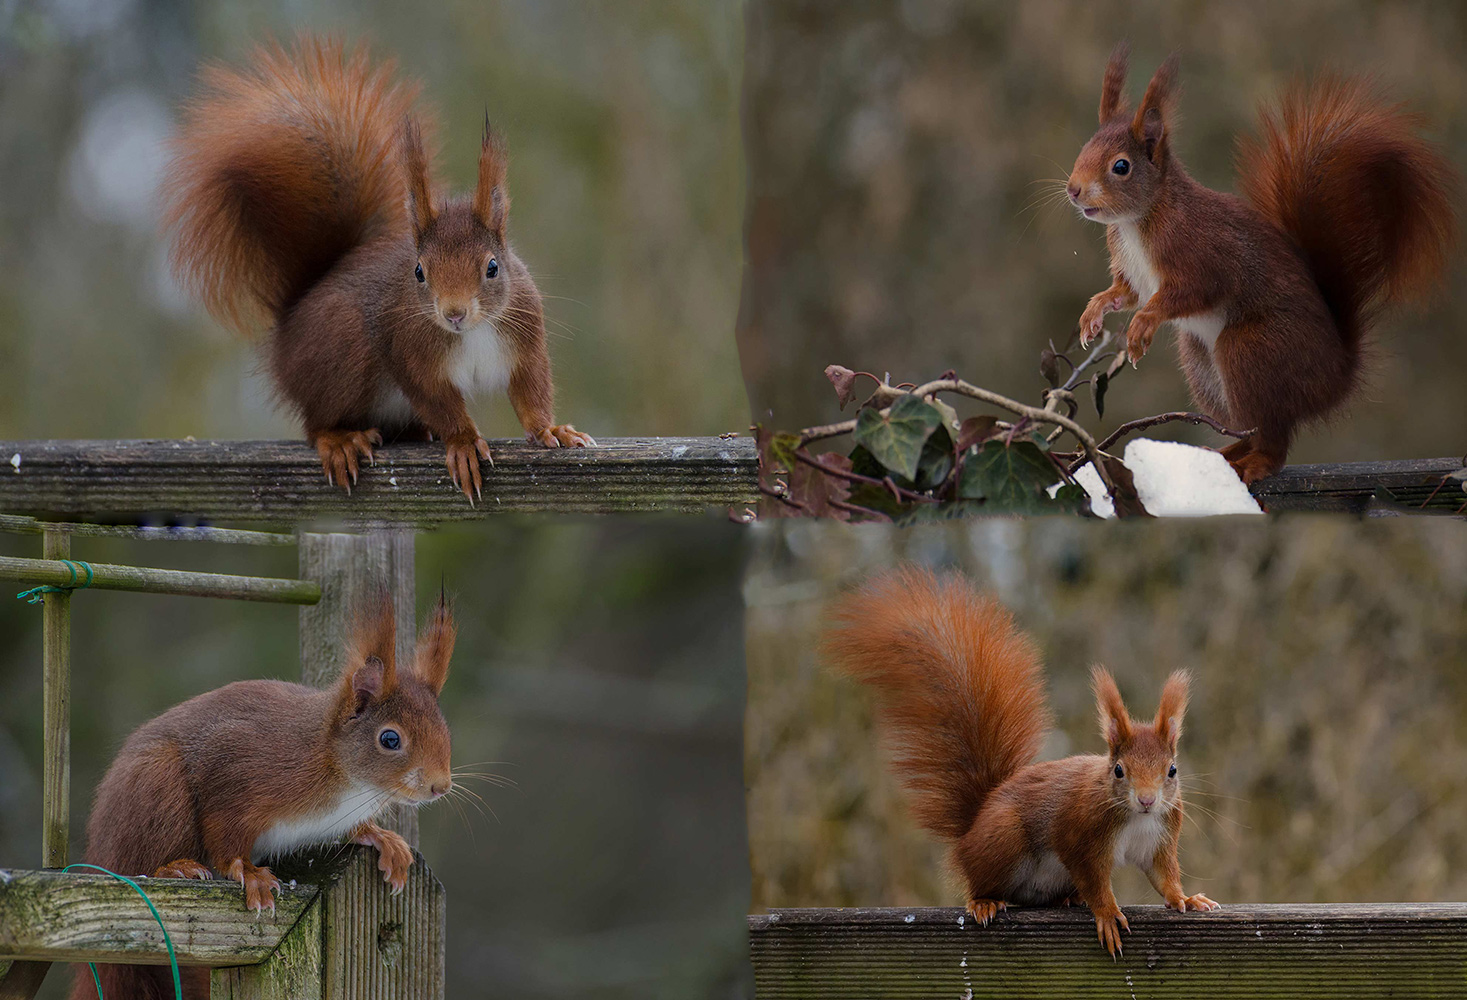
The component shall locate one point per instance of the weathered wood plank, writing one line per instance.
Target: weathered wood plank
(1295, 951)
(294, 971)
(281, 481)
(65, 917)
(56, 714)
(380, 946)
(1356, 487)
(144, 580)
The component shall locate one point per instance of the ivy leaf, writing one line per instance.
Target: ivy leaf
(896, 439)
(1010, 478)
(937, 461)
(878, 499)
(815, 489)
(976, 430)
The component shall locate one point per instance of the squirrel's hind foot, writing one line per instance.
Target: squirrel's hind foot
(342, 452)
(183, 868)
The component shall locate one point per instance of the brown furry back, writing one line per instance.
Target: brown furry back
(1367, 199)
(959, 687)
(279, 170)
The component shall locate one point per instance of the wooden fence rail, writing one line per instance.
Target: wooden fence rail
(1357, 487)
(281, 481)
(1264, 951)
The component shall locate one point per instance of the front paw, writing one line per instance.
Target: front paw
(260, 885)
(341, 453)
(1092, 320)
(1139, 336)
(394, 856)
(184, 868)
(465, 449)
(1108, 927)
(1199, 903)
(561, 436)
(984, 910)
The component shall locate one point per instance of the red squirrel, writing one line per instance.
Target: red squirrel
(962, 701)
(257, 769)
(1345, 209)
(299, 196)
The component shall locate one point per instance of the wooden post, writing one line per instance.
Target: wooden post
(376, 946)
(23, 979)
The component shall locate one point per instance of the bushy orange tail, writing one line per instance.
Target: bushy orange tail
(1369, 201)
(959, 688)
(279, 170)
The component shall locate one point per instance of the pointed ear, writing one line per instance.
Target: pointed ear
(1153, 118)
(1115, 721)
(371, 673)
(1171, 709)
(435, 646)
(491, 196)
(415, 173)
(1111, 101)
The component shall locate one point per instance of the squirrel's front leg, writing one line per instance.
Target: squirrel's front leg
(533, 398)
(1168, 303)
(441, 407)
(394, 856)
(1165, 875)
(260, 885)
(1117, 297)
(1095, 889)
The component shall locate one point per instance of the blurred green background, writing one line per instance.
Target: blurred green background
(599, 666)
(900, 154)
(1324, 750)
(600, 659)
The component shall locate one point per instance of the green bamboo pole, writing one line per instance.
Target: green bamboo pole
(19, 524)
(160, 581)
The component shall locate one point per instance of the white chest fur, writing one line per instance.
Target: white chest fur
(1138, 840)
(355, 805)
(480, 361)
(1134, 262)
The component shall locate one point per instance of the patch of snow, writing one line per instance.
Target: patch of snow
(15, 461)
(1174, 480)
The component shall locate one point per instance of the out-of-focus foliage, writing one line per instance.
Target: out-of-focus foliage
(598, 666)
(626, 177)
(1325, 745)
(904, 159)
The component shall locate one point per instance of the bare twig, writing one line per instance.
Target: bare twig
(1166, 418)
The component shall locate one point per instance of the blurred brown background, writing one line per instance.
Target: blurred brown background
(1324, 751)
(899, 154)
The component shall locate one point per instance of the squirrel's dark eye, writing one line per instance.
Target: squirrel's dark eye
(389, 739)
(1121, 167)
(493, 269)
(1173, 772)
(418, 273)
(1120, 771)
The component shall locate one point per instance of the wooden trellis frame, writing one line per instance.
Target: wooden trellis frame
(339, 936)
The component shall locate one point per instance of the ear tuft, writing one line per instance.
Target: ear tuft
(1172, 708)
(1115, 721)
(491, 194)
(1112, 102)
(415, 172)
(1153, 118)
(435, 646)
(371, 673)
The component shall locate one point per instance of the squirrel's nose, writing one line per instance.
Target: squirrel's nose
(1147, 801)
(455, 316)
(1073, 191)
(441, 787)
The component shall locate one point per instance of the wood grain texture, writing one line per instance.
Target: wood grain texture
(294, 971)
(281, 481)
(380, 946)
(56, 715)
(1395, 950)
(1358, 487)
(144, 580)
(66, 917)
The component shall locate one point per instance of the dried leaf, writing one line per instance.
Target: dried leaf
(1127, 500)
(1049, 367)
(976, 430)
(844, 381)
(1098, 385)
(815, 489)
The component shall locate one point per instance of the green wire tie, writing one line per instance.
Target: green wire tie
(37, 594)
(172, 958)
